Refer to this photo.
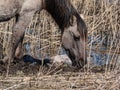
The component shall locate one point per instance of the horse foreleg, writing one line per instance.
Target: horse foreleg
(18, 34)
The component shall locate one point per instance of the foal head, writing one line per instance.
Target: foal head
(75, 44)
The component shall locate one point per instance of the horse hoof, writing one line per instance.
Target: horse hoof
(18, 57)
(5, 60)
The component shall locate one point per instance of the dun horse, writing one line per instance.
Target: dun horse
(73, 35)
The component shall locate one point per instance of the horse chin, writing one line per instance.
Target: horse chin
(79, 63)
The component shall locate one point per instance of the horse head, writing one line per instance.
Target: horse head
(75, 44)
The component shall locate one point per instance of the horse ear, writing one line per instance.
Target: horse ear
(73, 20)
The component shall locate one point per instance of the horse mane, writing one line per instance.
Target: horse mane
(63, 11)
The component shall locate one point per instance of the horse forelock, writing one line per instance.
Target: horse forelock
(61, 11)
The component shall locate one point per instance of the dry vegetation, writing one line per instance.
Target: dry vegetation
(43, 40)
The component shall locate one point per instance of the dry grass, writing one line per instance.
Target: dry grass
(103, 21)
(68, 81)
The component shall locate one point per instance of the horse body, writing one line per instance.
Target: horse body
(9, 8)
(61, 10)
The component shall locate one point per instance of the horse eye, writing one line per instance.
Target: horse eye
(76, 38)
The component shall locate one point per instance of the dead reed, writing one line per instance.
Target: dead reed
(42, 39)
